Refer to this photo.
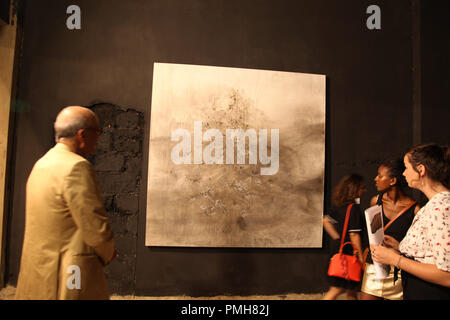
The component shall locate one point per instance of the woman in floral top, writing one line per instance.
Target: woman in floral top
(424, 254)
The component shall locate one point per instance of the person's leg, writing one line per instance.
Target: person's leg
(367, 296)
(351, 295)
(332, 293)
(370, 284)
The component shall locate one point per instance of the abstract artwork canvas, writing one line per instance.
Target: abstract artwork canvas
(236, 158)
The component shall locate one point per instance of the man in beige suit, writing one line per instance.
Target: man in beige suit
(68, 239)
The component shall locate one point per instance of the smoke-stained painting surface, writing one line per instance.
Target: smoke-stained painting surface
(236, 158)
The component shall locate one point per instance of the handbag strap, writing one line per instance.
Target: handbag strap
(399, 214)
(344, 230)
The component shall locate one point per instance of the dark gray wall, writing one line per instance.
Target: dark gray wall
(4, 12)
(369, 106)
(435, 68)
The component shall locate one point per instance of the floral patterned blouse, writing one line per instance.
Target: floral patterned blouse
(428, 238)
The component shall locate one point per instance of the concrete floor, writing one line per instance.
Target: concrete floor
(8, 292)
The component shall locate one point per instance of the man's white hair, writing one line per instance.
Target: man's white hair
(69, 129)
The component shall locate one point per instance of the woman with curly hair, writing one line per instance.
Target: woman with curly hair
(350, 187)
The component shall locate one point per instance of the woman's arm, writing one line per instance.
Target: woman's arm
(355, 238)
(329, 228)
(425, 271)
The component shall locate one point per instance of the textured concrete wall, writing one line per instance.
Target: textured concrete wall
(118, 163)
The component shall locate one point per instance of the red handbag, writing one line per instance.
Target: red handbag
(343, 265)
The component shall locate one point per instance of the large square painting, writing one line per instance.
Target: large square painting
(236, 158)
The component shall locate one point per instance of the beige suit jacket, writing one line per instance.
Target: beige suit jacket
(65, 226)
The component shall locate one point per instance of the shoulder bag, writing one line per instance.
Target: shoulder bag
(343, 265)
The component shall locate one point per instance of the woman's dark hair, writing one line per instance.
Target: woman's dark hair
(347, 190)
(436, 160)
(396, 167)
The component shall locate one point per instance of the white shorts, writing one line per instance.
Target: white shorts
(384, 288)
